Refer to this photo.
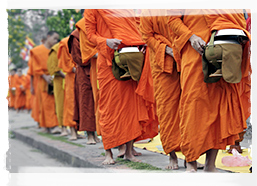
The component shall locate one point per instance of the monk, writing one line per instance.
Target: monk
(58, 87)
(211, 116)
(83, 53)
(34, 99)
(39, 73)
(157, 35)
(27, 92)
(67, 65)
(20, 97)
(11, 91)
(126, 107)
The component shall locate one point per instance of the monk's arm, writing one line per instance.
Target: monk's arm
(146, 28)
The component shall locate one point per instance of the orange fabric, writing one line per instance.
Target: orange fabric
(27, 92)
(126, 107)
(11, 96)
(20, 97)
(66, 64)
(212, 115)
(93, 80)
(46, 114)
(156, 34)
(88, 49)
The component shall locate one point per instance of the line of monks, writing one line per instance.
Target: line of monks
(72, 84)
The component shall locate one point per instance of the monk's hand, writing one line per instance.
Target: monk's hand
(113, 43)
(197, 43)
(169, 51)
(47, 78)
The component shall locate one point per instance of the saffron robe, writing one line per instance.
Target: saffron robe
(156, 34)
(126, 107)
(211, 115)
(47, 116)
(11, 94)
(66, 64)
(28, 103)
(20, 97)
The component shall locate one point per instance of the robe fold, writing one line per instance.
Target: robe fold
(27, 92)
(52, 67)
(47, 115)
(156, 34)
(211, 115)
(11, 95)
(66, 64)
(20, 97)
(84, 111)
(126, 107)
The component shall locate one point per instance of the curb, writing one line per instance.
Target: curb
(59, 150)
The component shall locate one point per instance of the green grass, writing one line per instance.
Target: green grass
(25, 127)
(136, 165)
(11, 134)
(59, 138)
(35, 150)
(103, 154)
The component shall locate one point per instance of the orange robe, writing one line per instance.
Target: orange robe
(66, 64)
(126, 107)
(47, 115)
(11, 94)
(156, 34)
(84, 113)
(34, 99)
(20, 97)
(27, 92)
(211, 115)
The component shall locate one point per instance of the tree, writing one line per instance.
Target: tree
(17, 35)
(61, 22)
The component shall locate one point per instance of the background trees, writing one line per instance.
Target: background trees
(35, 23)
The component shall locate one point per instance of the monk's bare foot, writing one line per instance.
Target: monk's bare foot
(56, 130)
(135, 153)
(131, 158)
(90, 139)
(64, 132)
(73, 138)
(191, 167)
(97, 140)
(173, 165)
(122, 150)
(199, 165)
(210, 169)
(45, 130)
(108, 158)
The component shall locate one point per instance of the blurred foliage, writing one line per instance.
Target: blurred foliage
(16, 35)
(60, 22)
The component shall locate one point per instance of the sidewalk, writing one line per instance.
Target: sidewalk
(78, 153)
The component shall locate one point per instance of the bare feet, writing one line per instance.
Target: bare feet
(191, 167)
(131, 158)
(73, 134)
(45, 130)
(64, 132)
(97, 140)
(199, 165)
(122, 150)
(135, 153)
(210, 161)
(90, 139)
(108, 158)
(173, 165)
(128, 153)
(56, 130)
